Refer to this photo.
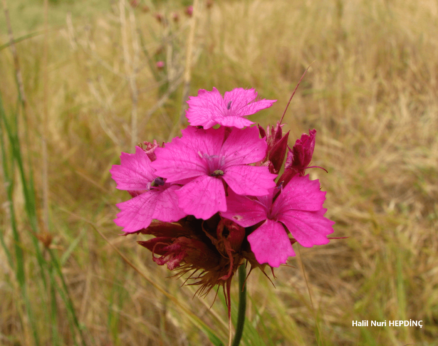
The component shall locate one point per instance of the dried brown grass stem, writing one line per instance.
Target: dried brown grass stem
(15, 55)
(130, 67)
(189, 56)
(45, 164)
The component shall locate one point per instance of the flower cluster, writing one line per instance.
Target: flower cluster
(214, 197)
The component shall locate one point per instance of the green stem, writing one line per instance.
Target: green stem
(242, 306)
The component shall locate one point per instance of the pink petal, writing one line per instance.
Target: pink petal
(243, 146)
(241, 102)
(167, 206)
(203, 197)
(181, 159)
(244, 211)
(204, 107)
(134, 172)
(270, 244)
(175, 162)
(322, 212)
(249, 180)
(254, 107)
(308, 228)
(300, 194)
(233, 121)
(138, 212)
(239, 97)
(207, 141)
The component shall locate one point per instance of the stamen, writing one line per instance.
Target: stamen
(213, 164)
(217, 173)
(229, 105)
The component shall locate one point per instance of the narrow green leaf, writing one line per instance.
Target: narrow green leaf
(67, 299)
(19, 39)
(71, 248)
(19, 255)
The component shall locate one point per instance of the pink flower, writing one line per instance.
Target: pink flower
(298, 208)
(160, 65)
(154, 198)
(209, 108)
(205, 159)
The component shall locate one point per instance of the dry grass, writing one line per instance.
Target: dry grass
(371, 93)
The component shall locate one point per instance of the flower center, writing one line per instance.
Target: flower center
(217, 173)
(213, 163)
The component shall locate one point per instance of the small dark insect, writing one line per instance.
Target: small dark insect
(229, 105)
(157, 182)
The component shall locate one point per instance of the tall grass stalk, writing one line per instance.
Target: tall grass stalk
(130, 67)
(189, 57)
(45, 118)
(19, 254)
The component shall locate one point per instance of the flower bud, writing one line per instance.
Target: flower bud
(301, 154)
(159, 17)
(189, 11)
(277, 153)
(149, 149)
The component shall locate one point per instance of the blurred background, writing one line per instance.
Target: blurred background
(82, 81)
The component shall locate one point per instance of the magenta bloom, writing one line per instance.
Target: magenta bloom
(298, 208)
(205, 159)
(209, 108)
(155, 199)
